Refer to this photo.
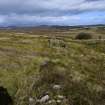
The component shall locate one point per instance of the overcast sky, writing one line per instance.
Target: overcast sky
(51, 12)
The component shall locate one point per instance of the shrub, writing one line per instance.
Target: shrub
(99, 37)
(82, 36)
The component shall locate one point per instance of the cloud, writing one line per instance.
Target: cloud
(15, 19)
(93, 0)
(33, 12)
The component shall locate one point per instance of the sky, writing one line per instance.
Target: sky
(51, 12)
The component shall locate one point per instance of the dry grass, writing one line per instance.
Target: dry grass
(30, 65)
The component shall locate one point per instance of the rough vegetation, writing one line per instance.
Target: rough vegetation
(82, 36)
(48, 67)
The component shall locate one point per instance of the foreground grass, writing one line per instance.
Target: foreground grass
(30, 66)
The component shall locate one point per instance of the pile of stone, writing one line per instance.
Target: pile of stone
(57, 99)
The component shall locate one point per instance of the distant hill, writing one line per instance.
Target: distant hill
(52, 26)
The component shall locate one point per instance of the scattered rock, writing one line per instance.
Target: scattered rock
(44, 99)
(31, 101)
(51, 101)
(58, 101)
(57, 87)
(60, 97)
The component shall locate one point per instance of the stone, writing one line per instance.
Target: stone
(51, 101)
(57, 87)
(44, 99)
(61, 97)
(58, 101)
(31, 99)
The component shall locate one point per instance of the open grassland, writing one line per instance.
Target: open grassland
(32, 61)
